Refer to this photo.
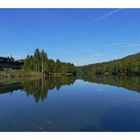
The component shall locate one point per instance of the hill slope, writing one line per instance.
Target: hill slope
(129, 65)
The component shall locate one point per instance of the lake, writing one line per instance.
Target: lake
(70, 104)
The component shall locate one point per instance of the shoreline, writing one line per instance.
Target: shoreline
(24, 74)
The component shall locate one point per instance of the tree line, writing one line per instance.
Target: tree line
(129, 65)
(40, 63)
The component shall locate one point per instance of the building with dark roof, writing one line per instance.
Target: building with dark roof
(6, 62)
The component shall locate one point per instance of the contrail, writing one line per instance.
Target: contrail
(106, 15)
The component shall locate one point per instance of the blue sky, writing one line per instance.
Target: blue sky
(80, 36)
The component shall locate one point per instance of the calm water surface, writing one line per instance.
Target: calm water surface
(70, 104)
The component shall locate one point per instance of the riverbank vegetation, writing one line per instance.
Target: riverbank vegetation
(36, 65)
(7, 73)
(40, 63)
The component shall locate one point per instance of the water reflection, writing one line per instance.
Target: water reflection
(36, 87)
(81, 107)
(10, 87)
(130, 83)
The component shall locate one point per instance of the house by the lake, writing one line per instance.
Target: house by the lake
(6, 62)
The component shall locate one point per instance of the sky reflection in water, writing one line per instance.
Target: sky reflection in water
(70, 104)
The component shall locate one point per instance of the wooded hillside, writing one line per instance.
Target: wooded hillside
(129, 65)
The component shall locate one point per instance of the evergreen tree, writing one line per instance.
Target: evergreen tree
(58, 66)
(44, 59)
(37, 60)
(40, 63)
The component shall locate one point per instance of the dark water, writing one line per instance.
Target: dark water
(70, 104)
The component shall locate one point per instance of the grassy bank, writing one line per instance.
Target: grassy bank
(18, 73)
(7, 73)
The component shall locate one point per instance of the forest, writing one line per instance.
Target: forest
(129, 65)
(39, 62)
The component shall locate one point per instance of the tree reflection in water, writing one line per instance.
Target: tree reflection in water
(39, 87)
(130, 83)
(36, 87)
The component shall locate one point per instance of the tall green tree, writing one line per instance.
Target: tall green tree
(58, 66)
(44, 60)
(40, 63)
(37, 60)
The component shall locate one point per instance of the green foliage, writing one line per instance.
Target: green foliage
(129, 65)
(40, 63)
